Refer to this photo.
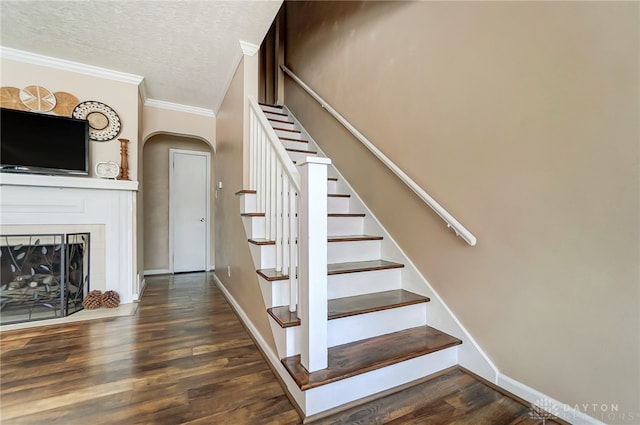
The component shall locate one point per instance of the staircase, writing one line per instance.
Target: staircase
(378, 332)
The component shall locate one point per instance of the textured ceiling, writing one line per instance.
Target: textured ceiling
(185, 50)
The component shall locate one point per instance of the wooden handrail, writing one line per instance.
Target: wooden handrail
(459, 229)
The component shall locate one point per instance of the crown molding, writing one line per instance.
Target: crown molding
(249, 49)
(178, 107)
(65, 65)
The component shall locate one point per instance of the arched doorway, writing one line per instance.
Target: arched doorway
(157, 226)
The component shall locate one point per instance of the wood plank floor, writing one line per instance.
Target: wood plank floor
(184, 358)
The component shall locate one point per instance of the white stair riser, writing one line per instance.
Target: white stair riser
(267, 108)
(290, 134)
(362, 326)
(285, 125)
(275, 293)
(299, 157)
(345, 226)
(288, 340)
(347, 390)
(290, 144)
(248, 203)
(332, 186)
(339, 252)
(351, 284)
(278, 117)
(337, 204)
(264, 256)
(254, 226)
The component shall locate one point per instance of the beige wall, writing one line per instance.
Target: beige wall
(522, 120)
(122, 97)
(232, 251)
(156, 197)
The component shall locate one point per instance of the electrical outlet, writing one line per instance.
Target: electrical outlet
(229, 271)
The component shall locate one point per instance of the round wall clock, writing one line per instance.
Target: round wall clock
(104, 123)
(107, 170)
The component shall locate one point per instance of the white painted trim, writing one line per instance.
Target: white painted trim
(557, 408)
(249, 49)
(432, 203)
(156, 271)
(65, 65)
(207, 155)
(227, 84)
(211, 267)
(161, 104)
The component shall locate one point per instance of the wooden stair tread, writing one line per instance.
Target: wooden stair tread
(333, 179)
(301, 151)
(338, 195)
(261, 241)
(271, 275)
(286, 129)
(352, 306)
(289, 139)
(354, 358)
(346, 214)
(369, 303)
(361, 266)
(271, 106)
(354, 238)
(246, 191)
(284, 317)
(279, 121)
(252, 214)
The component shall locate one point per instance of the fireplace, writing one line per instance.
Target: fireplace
(54, 205)
(42, 276)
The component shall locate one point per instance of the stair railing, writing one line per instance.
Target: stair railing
(276, 181)
(459, 229)
(294, 201)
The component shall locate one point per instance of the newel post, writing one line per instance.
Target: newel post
(312, 240)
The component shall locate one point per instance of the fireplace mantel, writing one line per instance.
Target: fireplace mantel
(16, 179)
(62, 201)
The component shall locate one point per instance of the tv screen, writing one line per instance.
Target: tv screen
(43, 144)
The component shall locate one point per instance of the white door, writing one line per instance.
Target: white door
(189, 210)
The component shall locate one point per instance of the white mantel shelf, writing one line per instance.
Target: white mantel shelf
(16, 179)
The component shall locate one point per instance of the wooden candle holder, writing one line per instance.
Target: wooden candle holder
(124, 159)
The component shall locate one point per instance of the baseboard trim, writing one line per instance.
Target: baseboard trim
(272, 359)
(156, 271)
(531, 396)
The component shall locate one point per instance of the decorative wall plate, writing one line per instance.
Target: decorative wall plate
(65, 102)
(37, 98)
(104, 123)
(107, 170)
(10, 98)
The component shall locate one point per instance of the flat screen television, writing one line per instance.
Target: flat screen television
(38, 143)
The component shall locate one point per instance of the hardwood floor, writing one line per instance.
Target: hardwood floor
(184, 358)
